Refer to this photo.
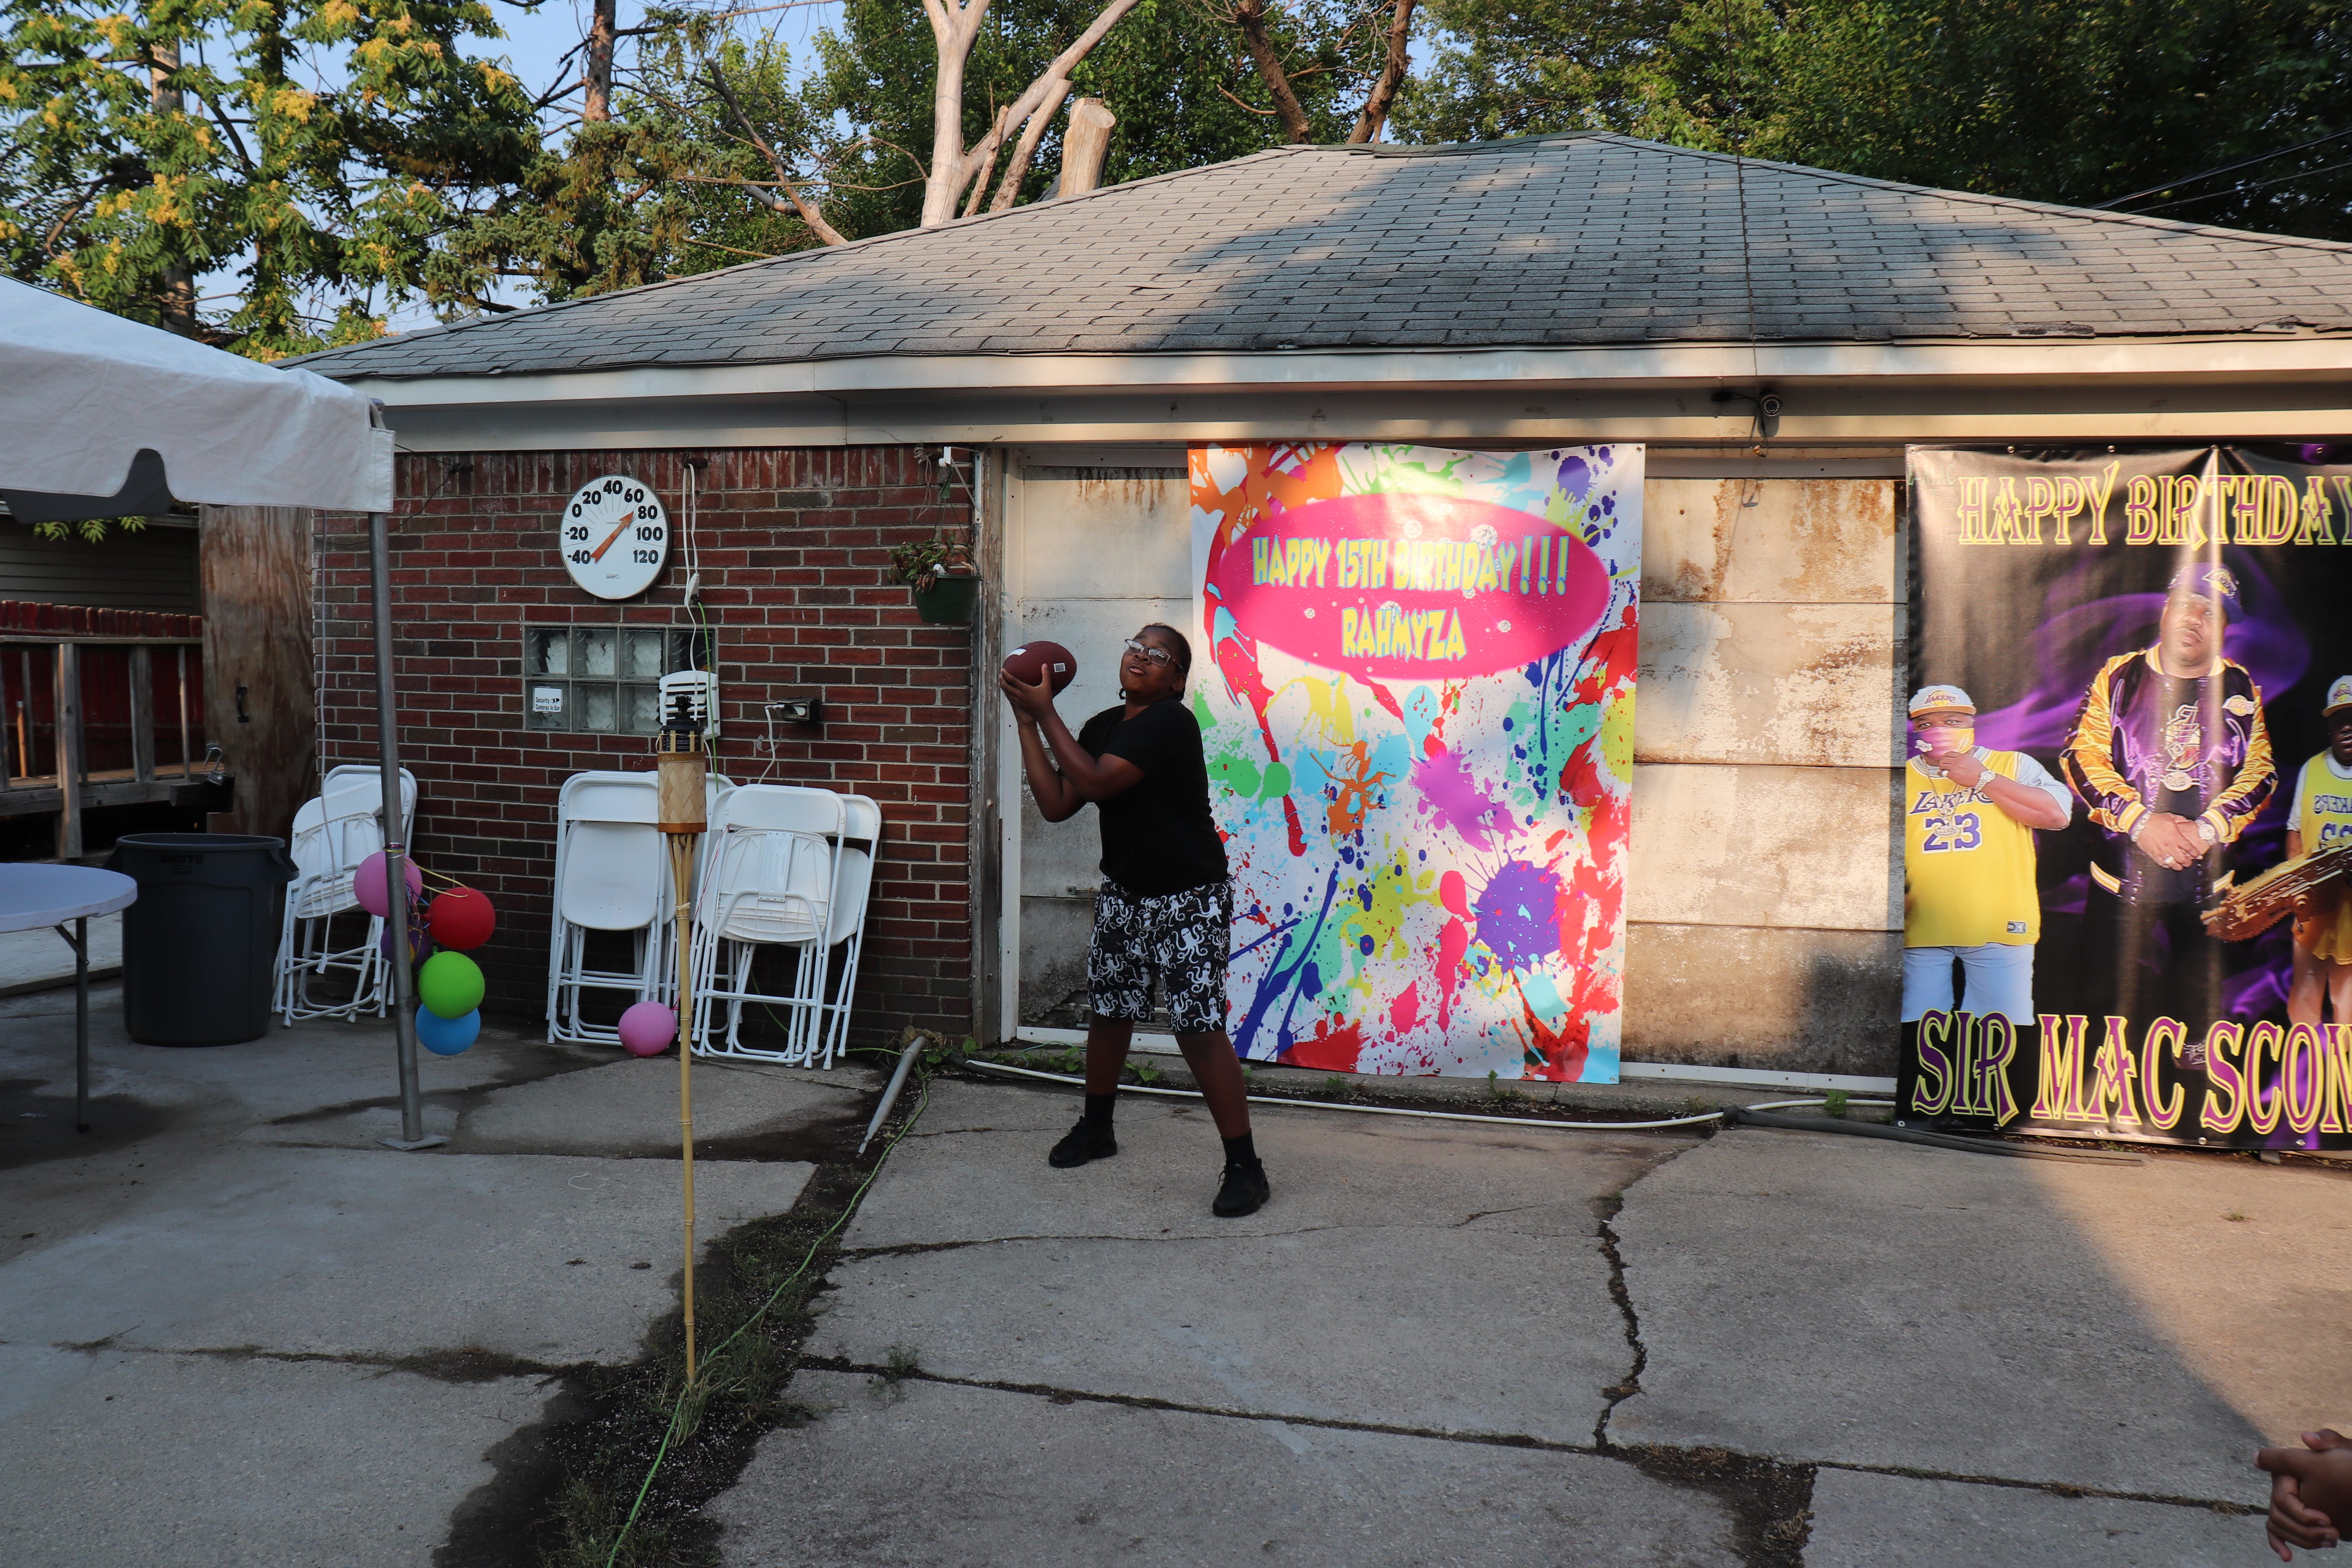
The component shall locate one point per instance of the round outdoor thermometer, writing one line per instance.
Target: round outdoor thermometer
(615, 536)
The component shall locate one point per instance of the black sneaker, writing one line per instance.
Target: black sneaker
(1244, 1190)
(1086, 1142)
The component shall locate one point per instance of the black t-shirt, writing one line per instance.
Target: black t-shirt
(1158, 837)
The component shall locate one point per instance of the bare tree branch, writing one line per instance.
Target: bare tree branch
(1025, 151)
(984, 159)
(807, 210)
(598, 105)
(1249, 15)
(1376, 103)
(951, 166)
(1238, 103)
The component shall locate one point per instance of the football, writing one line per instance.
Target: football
(1032, 659)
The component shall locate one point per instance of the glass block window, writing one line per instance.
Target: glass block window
(603, 679)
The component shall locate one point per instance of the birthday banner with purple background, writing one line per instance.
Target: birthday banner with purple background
(1417, 705)
(2043, 580)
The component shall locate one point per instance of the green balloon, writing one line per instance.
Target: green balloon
(450, 985)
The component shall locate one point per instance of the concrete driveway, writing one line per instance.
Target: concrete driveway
(1456, 1344)
(233, 1329)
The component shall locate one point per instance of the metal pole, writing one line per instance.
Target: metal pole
(81, 1023)
(906, 1055)
(395, 852)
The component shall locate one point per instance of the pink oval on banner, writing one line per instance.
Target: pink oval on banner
(1412, 587)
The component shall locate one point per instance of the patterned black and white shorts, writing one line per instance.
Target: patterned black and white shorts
(1180, 940)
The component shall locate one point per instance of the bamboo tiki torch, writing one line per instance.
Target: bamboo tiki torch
(680, 815)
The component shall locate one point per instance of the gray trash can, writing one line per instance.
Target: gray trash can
(199, 945)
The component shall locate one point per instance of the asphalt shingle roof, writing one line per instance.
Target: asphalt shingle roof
(1560, 241)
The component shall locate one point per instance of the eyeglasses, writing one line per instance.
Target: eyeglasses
(1156, 655)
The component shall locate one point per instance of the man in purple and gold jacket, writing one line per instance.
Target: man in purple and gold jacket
(2170, 755)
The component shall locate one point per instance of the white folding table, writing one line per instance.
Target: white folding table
(37, 894)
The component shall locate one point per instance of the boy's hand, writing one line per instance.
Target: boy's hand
(1031, 703)
(2311, 1487)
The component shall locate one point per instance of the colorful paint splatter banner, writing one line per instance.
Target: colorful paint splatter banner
(1418, 711)
(2162, 631)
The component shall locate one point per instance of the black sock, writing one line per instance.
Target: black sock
(1240, 1151)
(1099, 1108)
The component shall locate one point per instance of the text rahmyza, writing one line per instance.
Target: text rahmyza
(1423, 565)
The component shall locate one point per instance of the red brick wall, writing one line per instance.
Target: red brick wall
(794, 553)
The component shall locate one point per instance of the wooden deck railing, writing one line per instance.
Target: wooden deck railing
(109, 700)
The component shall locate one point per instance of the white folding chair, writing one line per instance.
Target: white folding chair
(612, 874)
(774, 862)
(861, 847)
(333, 833)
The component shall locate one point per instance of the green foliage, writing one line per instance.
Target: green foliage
(88, 530)
(647, 194)
(1833, 1103)
(2065, 103)
(901, 1362)
(324, 149)
(922, 564)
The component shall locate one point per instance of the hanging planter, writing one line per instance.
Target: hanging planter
(949, 601)
(942, 578)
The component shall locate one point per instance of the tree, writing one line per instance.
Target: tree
(2085, 103)
(326, 157)
(653, 190)
(1336, 38)
(1181, 81)
(2077, 102)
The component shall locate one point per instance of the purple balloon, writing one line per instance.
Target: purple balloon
(420, 946)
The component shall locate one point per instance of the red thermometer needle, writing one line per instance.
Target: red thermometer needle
(598, 554)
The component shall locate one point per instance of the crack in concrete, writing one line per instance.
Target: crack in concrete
(462, 1365)
(911, 1249)
(2055, 1489)
(1642, 1455)
(1617, 1392)
(1605, 1209)
(1768, 1502)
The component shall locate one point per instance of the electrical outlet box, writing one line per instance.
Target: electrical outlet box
(700, 688)
(799, 710)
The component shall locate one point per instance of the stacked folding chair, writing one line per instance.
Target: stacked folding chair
(333, 833)
(861, 847)
(612, 874)
(784, 867)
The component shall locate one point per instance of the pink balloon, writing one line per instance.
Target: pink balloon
(648, 1028)
(368, 885)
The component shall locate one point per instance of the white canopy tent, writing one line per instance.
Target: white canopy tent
(100, 416)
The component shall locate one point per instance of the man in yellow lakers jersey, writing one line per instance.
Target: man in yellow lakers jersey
(2321, 818)
(1968, 817)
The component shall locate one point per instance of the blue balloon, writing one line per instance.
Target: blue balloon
(447, 1036)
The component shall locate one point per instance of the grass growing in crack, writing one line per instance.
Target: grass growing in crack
(659, 1445)
(901, 1362)
(1833, 1103)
